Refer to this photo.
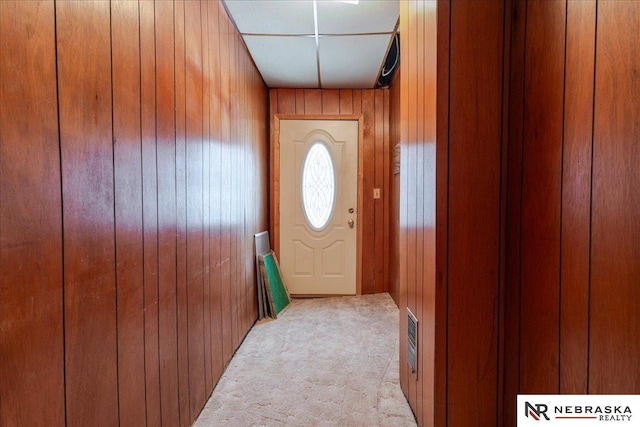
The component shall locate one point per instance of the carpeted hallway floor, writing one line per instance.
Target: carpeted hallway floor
(323, 362)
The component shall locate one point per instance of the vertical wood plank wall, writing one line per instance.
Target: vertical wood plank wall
(374, 107)
(537, 219)
(471, 122)
(32, 358)
(575, 143)
(394, 188)
(417, 209)
(126, 264)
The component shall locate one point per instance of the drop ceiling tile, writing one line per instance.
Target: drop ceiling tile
(352, 61)
(272, 17)
(368, 16)
(285, 61)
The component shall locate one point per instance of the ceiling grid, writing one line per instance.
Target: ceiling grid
(317, 43)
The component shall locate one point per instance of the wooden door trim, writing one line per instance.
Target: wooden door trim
(274, 188)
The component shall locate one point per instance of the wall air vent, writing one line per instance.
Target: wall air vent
(412, 341)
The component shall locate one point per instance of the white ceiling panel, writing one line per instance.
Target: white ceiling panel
(352, 44)
(352, 61)
(285, 61)
(368, 16)
(272, 16)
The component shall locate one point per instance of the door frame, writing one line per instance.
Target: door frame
(274, 175)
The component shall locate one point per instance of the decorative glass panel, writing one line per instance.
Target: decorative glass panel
(318, 186)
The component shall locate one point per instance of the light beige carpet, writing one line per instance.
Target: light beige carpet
(323, 362)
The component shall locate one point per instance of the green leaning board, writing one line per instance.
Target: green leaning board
(279, 295)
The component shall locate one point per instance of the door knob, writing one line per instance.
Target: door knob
(350, 222)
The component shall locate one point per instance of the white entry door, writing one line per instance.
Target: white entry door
(318, 206)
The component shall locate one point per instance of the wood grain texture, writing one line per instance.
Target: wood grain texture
(194, 158)
(511, 369)
(206, 191)
(83, 48)
(442, 218)
(217, 363)
(181, 214)
(368, 215)
(408, 135)
(615, 221)
(394, 190)
(119, 217)
(149, 208)
(402, 201)
(167, 213)
(541, 195)
(475, 130)
(225, 241)
(576, 196)
(128, 213)
(31, 325)
(548, 289)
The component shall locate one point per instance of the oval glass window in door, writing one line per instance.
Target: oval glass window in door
(318, 186)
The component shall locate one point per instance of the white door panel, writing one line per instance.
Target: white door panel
(318, 244)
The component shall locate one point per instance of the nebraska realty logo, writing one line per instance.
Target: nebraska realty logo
(578, 410)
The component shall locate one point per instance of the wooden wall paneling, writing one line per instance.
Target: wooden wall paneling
(331, 101)
(504, 165)
(87, 170)
(368, 213)
(128, 212)
(428, 296)
(150, 209)
(409, 137)
(394, 189)
(242, 181)
(513, 210)
(299, 94)
(288, 101)
(378, 182)
(263, 141)
(234, 188)
(576, 196)
(615, 221)
(31, 332)
(195, 268)
(421, 187)
(167, 215)
(215, 188)
(443, 43)
(474, 186)
(242, 193)
(299, 100)
(346, 101)
(386, 196)
(250, 203)
(403, 252)
(181, 212)
(357, 110)
(312, 101)
(246, 180)
(206, 195)
(274, 171)
(225, 242)
(255, 183)
(541, 193)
